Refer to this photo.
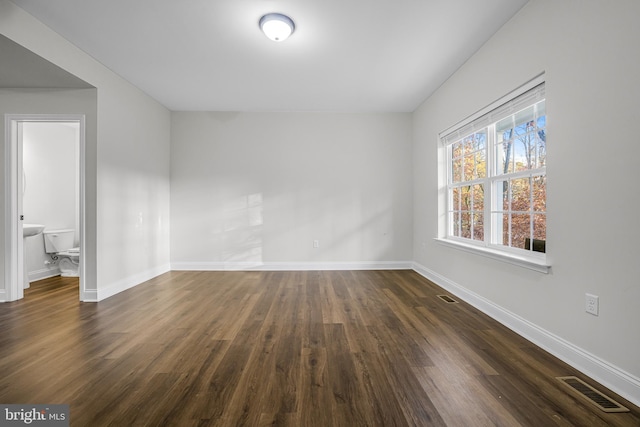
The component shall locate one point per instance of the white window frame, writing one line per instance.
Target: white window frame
(528, 94)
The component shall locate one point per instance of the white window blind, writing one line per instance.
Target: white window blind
(524, 96)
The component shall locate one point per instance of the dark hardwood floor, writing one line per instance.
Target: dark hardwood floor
(344, 348)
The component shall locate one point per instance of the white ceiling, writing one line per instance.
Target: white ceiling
(345, 55)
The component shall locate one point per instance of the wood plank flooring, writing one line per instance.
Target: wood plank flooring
(328, 348)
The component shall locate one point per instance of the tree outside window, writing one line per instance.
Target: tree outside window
(496, 181)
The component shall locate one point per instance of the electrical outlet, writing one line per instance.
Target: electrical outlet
(592, 304)
(316, 243)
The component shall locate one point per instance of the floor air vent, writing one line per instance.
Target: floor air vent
(592, 395)
(447, 299)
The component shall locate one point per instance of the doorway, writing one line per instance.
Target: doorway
(29, 199)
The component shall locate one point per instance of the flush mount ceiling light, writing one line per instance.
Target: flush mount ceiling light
(276, 26)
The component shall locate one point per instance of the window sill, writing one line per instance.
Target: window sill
(538, 264)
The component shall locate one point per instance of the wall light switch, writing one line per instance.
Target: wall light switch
(316, 243)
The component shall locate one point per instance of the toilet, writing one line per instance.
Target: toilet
(59, 244)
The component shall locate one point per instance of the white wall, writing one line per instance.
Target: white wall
(51, 196)
(128, 194)
(58, 101)
(133, 190)
(253, 189)
(260, 187)
(589, 50)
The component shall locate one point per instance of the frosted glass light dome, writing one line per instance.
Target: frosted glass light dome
(276, 26)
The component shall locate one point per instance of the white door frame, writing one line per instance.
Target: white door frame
(13, 250)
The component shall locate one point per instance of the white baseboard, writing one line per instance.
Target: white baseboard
(43, 273)
(612, 377)
(292, 266)
(129, 282)
(124, 284)
(90, 295)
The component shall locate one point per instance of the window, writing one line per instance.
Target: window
(496, 176)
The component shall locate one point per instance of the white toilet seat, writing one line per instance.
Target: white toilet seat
(71, 253)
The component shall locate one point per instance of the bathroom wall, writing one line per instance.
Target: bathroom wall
(58, 101)
(51, 190)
